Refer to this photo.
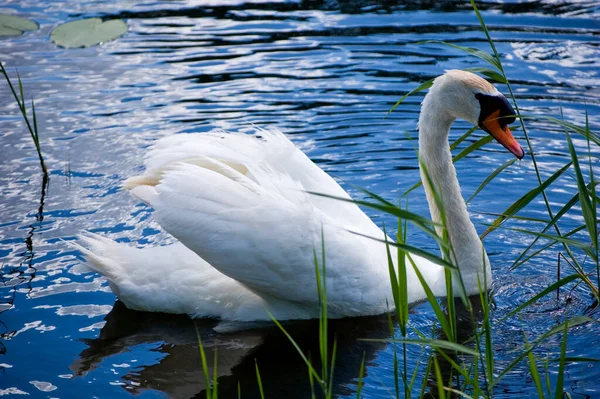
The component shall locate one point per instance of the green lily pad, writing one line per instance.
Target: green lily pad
(11, 25)
(87, 32)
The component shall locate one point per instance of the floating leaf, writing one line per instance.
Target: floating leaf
(87, 32)
(11, 25)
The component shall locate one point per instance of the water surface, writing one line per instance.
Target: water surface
(325, 73)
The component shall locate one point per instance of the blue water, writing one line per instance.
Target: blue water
(324, 72)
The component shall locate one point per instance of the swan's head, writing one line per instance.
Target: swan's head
(467, 96)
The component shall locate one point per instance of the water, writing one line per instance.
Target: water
(325, 73)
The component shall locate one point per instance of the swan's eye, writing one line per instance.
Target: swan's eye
(490, 104)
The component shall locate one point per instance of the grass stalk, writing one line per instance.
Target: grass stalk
(32, 127)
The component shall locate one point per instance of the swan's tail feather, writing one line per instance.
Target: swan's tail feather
(141, 180)
(101, 255)
(170, 279)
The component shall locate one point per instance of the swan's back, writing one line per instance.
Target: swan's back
(242, 204)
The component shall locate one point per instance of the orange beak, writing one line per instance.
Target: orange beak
(503, 135)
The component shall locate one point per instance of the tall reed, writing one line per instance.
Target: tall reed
(31, 125)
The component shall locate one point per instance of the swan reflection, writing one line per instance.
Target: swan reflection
(178, 372)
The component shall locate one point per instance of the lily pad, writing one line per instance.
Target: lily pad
(11, 25)
(87, 32)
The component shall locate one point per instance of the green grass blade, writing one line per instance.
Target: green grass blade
(567, 125)
(491, 177)
(589, 214)
(333, 355)
(22, 102)
(522, 352)
(259, 381)
(558, 394)
(474, 146)
(462, 138)
(533, 369)
(439, 381)
(412, 250)
(453, 146)
(426, 377)
(311, 369)
(595, 198)
(361, 373)
(311, 380)
(423, 86)
(562, 239)
(392, 273)
(439, 313)
(204, 364)
(526, 199)
(215, 389)
(546, 291)
(402, 306)
(459, 393)
(36, 137)
(577, 359)
(375, 196)
(490, 73)
(554, 220)
(33, 131)
(496, 56)
(437, 344)
(516, 217)
(389, 209)
(487, 57)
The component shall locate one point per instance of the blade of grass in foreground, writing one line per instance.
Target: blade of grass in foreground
(400, 301)
(560, 213)
(33, 131)
(259, 381)
(558, 394)
(491, 177)
(525, 200)
(490, 73)
(209, 394)
(533, 369)
(562, 239)
(438, 378)
(392, 210)
(518, 115)
(361, 373)
(423, 86)
(453, 146)
(595, 199)
(412, 250)
(523, 352)
(546, 291)
(487, 57)
(589, 213)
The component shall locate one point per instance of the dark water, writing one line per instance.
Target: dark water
(325, 72)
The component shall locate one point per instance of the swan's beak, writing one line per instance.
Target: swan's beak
(502, 134)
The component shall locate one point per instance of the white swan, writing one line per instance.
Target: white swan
(247, 228)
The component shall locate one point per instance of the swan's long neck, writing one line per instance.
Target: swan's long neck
(434, 152)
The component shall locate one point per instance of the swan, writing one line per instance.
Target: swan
(247, 228)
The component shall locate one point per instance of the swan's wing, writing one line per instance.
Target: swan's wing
(258, 225)
(266, 149)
